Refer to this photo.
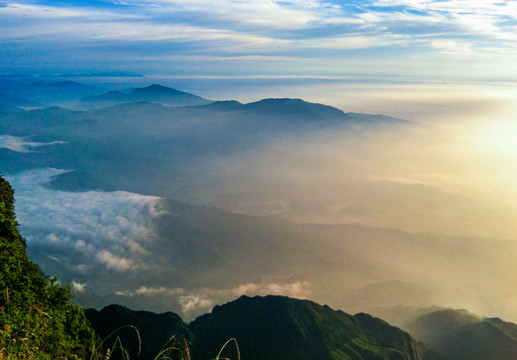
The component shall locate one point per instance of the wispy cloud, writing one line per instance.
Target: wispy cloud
(23, 144)
(442, 31)
(262, 13)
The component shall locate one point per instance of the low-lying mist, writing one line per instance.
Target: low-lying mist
(417, 178)
(445, 181)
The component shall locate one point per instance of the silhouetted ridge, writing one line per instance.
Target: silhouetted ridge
(295, 107)
(459, 335)
(277, 327)
(154, 93)
(159, 89)
(155, 329)
(297, 110)
(113, 95)
(227, 105)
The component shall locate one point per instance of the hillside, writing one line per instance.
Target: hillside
(275, 327)
(459, 335)
(271, 327)
(36, 319)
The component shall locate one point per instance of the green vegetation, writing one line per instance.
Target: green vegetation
(276, 327)
(37, 320)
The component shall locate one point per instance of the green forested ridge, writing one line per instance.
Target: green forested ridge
(271, 327)
(276, 327)
(37, 320)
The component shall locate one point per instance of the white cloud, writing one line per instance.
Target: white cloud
(290, 29)
(22, 144)
(450, 46)
(195, 302)
(111, 261)
(110, 229)
(352, 42)
(77, 287)
(297, 289)
(39, 12)
(151, 291)
(261, 13)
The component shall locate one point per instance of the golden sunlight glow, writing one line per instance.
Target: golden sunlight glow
(500, 138)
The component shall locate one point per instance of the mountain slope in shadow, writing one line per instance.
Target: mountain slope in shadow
(459, 335)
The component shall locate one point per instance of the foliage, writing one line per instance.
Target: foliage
(37, 320)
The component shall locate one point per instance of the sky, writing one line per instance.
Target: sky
(394, 40)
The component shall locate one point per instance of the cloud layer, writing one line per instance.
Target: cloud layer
(323, 37)
(98, 231)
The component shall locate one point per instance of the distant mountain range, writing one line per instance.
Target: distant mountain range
(141, 131)
(154, 93)
(37, 93)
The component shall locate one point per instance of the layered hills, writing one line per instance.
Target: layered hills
(170, 143)
(272, 327)
(153, 93)
(277, 327)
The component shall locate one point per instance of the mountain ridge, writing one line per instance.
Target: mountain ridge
(154, 93)
(460, 335)
(274, 327)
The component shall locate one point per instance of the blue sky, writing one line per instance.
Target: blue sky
(404, 39)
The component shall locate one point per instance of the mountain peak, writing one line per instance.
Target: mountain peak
(278, 327)
(226, 105)
(156, 89)
(154, 93)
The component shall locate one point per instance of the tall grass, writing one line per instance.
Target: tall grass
(176, 348)
(218, 357)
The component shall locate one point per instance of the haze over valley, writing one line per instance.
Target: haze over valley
(167, 206)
